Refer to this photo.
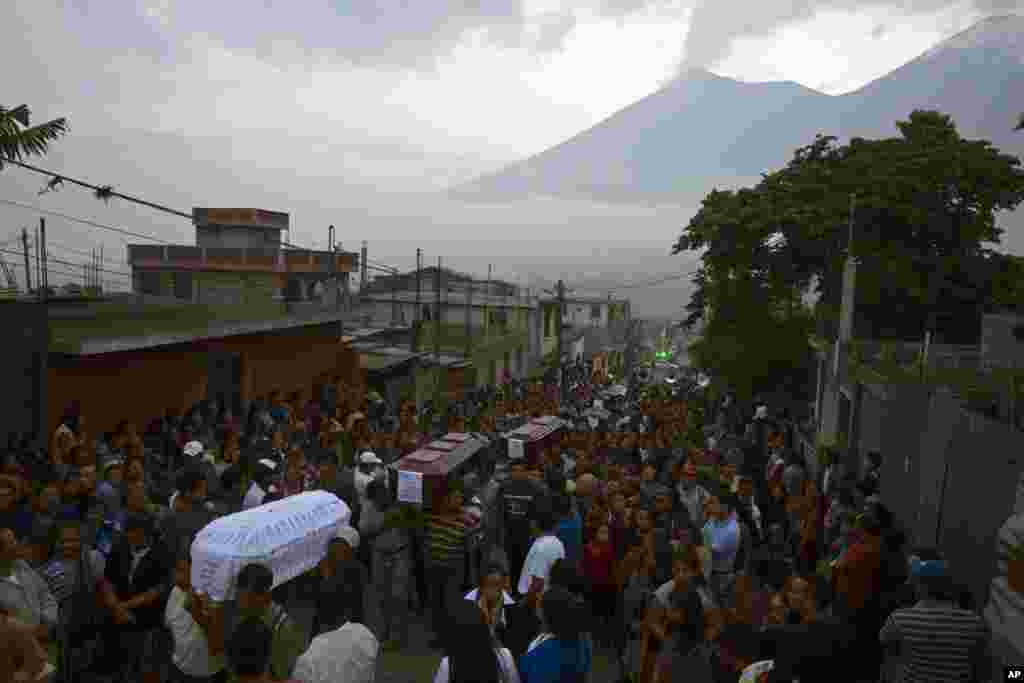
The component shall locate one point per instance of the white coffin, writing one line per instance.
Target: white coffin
(289, 536)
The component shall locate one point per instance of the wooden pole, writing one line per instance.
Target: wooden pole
(42, 247)
(28, 269)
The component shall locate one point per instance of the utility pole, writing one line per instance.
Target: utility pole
(830, 427)
(39, 266)
(362, 269)
(437, 340)
(469, 319)
(42, 248)
(28, 269)
(418, 318)
(394, 297)
(560, 341)
(487, 306)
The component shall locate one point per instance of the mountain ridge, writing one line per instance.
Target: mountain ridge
(703, 130)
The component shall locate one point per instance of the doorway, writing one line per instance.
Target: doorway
(225, 380)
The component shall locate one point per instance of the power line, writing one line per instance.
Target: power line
(50, 245)
(84, 221)
(102, 192)
(655, 283)
(72, 263)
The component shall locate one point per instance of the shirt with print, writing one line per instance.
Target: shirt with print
(446, 540)
(941, 642)
(134, 572)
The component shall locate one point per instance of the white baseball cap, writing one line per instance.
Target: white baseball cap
(370, 458)
(193, 448)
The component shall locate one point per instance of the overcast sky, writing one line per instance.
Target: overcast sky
(357, 112)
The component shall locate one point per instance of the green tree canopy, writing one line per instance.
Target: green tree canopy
(925, 206)
(18, 139)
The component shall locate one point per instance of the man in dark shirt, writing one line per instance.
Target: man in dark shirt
(190, 514)
(517, 498)
(135, 590)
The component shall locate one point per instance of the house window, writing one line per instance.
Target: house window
(595, 311)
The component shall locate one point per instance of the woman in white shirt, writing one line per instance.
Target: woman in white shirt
(473, 656)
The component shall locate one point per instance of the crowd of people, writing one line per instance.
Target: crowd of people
(721, 559)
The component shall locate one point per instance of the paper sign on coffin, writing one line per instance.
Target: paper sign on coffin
(289, 536)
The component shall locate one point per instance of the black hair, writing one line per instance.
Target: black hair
(248, 648)
(562, 505)
(231, 477)
(255, 578)
(139, 521)
(470, 647)
(325, 456)
(377, 492)
(847, 496)
(744, 642)
(495, 567)
(545, 516)
(564, 614)
(875, 458)
(188, 480)
(566, 575)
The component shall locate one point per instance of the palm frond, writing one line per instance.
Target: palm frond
(19, 140)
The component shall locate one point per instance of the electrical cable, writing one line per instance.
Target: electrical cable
(119, 273)
(84, 221)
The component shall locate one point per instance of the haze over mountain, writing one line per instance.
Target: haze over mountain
(704, 130)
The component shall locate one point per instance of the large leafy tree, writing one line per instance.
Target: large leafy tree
(19, 139)
(925, 206)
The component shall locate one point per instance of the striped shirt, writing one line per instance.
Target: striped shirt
(941, 643)
(446, 540)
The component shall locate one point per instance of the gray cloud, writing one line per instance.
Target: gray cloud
(396, 34)
(715, 24)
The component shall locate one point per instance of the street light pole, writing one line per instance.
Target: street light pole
(560, 341)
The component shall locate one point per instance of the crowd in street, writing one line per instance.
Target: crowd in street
(728, 559)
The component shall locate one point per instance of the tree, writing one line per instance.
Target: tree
(926, 203)
(18, 139)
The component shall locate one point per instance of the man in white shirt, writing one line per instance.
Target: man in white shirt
(344, 655)
(188, 617)
(692, 495)
(544, 552)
